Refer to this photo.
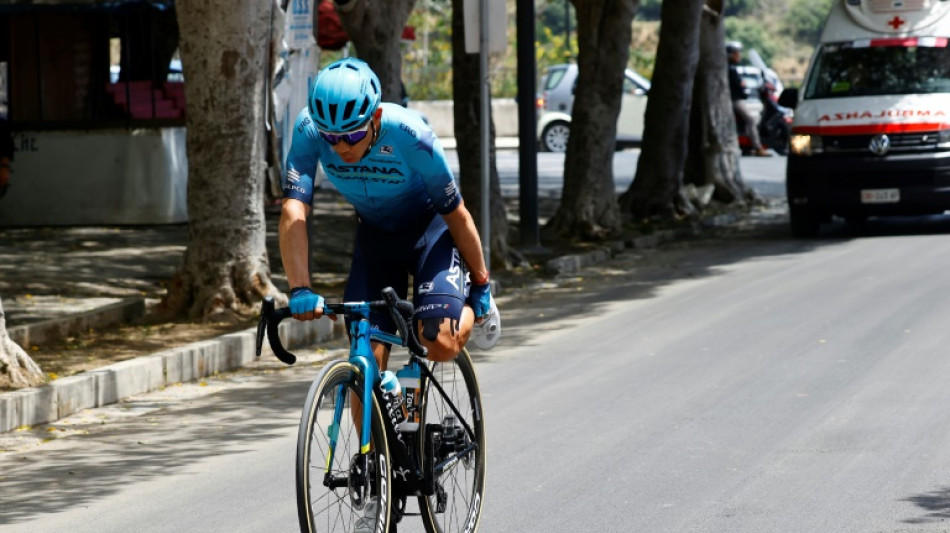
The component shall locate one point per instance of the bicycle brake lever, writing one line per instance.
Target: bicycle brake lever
(396, 308)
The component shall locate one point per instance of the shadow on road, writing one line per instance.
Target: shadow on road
(107, 458)
(935, 504)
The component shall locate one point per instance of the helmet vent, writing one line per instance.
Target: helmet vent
(348, 109)
(364, 106)
(319, 107)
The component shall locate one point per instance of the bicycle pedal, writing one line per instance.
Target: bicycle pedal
(441, 499)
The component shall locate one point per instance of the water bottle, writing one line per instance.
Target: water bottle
(410, 383)
(392, 395)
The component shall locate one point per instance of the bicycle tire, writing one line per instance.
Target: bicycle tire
(461, 513)
(323, 509)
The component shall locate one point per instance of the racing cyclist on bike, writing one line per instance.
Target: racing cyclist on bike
(390, 166)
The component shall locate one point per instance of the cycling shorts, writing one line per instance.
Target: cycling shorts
(384, 258)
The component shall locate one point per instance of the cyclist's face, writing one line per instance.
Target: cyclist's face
(353, 153)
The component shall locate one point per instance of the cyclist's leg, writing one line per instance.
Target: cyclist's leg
(374, 267)
(443, 321)
(379, 261)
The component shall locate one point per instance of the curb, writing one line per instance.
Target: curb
(123, 311)
(96, 388)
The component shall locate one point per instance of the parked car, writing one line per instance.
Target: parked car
(557, 100)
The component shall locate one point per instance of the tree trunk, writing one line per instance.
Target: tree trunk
(17, 369)
(713, 144)
(375, 28)
(588, 208)
(466, 87)
(656, 190)
(224, 54)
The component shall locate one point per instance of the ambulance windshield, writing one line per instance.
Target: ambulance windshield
(880, 67)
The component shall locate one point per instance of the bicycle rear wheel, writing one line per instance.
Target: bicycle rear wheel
(445, 443)
(339, 488)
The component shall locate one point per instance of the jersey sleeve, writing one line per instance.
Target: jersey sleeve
(429, 160)
(302, 159)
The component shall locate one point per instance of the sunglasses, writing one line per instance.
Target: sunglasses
(351, 137)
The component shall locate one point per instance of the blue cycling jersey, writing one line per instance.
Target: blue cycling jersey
(399, 184)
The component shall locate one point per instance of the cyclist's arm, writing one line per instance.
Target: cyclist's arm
(429, 160)
(293, 242)
(297, 185)
(462, 227)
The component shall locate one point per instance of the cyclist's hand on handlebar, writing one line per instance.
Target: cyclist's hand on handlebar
(306, 304)
(480, 297)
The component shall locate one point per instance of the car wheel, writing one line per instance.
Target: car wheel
(554, 137)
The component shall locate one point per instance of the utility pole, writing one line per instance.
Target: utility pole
(527, 124)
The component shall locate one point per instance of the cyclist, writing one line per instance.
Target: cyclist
(411, 218)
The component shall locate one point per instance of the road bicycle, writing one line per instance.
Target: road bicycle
(356, 467)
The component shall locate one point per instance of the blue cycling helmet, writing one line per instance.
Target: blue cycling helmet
(345, 95)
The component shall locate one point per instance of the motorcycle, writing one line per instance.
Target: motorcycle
(775, 123)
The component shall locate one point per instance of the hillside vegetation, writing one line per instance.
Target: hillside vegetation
(784, 32)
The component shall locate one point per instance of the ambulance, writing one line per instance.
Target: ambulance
(871, 135)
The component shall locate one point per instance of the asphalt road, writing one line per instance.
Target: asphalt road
(744, 384)
(741, 383)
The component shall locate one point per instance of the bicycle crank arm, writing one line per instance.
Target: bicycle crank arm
(455, 458)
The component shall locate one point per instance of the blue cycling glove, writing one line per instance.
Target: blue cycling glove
(480, 297)
(303, 300)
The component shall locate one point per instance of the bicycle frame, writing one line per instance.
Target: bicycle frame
(361, 356)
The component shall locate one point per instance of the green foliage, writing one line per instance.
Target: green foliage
(752, 34)
(427, 62)
(805, 19)
(780, 30)
(650, 9)
(553, 15)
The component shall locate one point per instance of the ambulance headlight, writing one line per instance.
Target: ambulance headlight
(805, 144)
(943, 139)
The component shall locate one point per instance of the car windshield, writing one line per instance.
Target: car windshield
(880, 67)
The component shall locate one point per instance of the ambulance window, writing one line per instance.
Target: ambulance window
(842, 70)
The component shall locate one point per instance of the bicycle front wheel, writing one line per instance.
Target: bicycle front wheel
(452, 448)
(340, 488)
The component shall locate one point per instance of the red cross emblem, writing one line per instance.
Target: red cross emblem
(896, 22)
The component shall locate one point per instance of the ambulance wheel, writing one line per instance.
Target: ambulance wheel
(804, 223)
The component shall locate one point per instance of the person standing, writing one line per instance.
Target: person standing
(740, 103)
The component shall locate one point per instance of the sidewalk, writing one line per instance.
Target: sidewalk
(59, 282)
(501, 143)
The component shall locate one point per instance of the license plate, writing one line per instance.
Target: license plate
(880, 196)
